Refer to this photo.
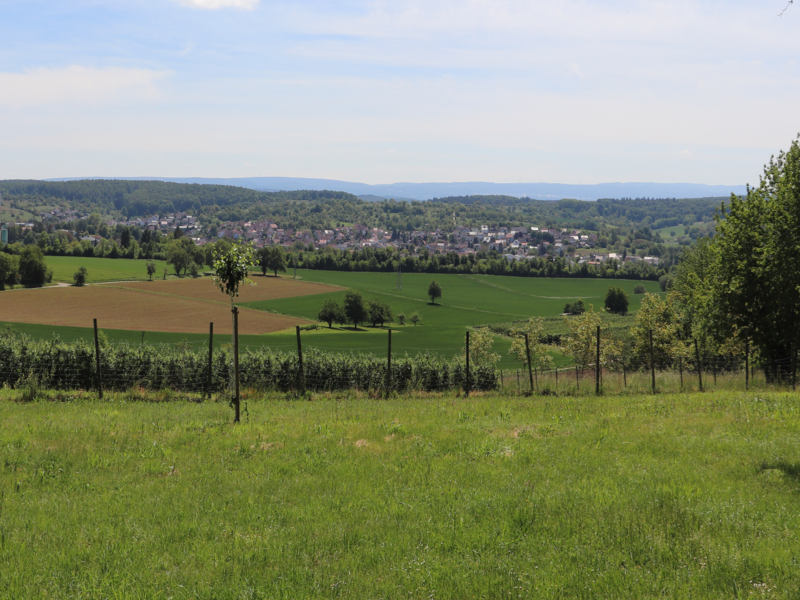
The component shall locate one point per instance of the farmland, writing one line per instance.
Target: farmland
(102, 269)
(676, 496)
(180, 309)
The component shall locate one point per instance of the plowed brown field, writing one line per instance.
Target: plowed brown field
(266, 288)
(132, 309)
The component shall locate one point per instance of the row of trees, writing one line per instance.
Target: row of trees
(28, 268)
(354, 309)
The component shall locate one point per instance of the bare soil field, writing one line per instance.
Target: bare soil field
(266, 288)
(118, 308)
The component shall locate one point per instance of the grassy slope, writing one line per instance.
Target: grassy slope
(466, 301)
(101, 269)
(682, 496)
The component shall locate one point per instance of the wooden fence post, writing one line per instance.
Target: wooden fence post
(236, 362)
(466, 381)
(652, 362)
(210, 358)
(97, 359)
(680, 367)
(301, 374)
(699, 364)
(747, 364)
(597, 365)
(556, 379)
(530, 366)
(389, 367)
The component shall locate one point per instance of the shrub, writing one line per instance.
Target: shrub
(639, 289)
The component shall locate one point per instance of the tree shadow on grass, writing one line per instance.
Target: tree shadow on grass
(789, 469)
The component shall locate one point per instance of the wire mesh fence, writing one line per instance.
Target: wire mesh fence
(191, 368)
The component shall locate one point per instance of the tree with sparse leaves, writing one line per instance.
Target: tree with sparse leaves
(481, 348)
(534, 328)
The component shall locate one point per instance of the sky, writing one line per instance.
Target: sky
(561, 91)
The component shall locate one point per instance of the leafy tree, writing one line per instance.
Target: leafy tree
(434, 291)
(80, 277)
(151, 269)
(662, 318)
(125, 238)
(179, 259)
(415, 318)
(193, 270)
(665, 282)
(331, 312)
(354, 307)
(639, 289)
(534, 327)
(272, 259)
(231, 269)
(481, 348)
(379, 313)
(576, 308)
(177, 234)
(581, 341)
(9, 269)
(616, 301)
(401, 318)
(32, 268)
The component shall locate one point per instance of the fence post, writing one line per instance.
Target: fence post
(699, 364)
(793, 349)
(466, 382)
(210, 357)
(236, 362)
(97, 358)
(556, 379)
(597, 365)
(652, 362)
(530, 366)
(747, 364)
(680, 367)
(577, 379)
(301, 373)
(389, 367)
(518, 388)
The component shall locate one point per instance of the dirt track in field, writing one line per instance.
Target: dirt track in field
(266, 288)
(131, 309)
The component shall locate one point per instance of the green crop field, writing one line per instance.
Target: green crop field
(673, 496)
(102, 269)
(466, 301)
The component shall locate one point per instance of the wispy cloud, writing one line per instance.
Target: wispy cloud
(77, 84)
(216, 4)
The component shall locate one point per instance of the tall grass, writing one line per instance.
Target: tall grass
(669, 496)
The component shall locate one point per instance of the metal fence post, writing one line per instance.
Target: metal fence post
(236, 362)
(301, 373)
(210, 358)
(530, 366)
(97, 359)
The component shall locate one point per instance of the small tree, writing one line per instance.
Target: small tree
(534, 328)
(639, 289)
(415, 318)
(151, 270)
(272, 259)
(231, 269)
(481, 348)
(581, 342)
(331, 312)
(576, 308)
(616, 300)
(354, 307)
(379, 313)
(8, 269)
(401, 318)
(434, 291)
(80, 277)
(165, 275)
(193, 270)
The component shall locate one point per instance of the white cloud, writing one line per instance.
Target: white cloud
(215, 4)
(76, 84)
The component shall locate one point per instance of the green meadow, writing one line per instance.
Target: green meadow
(671, 496)
(466, 301)
(102, 269)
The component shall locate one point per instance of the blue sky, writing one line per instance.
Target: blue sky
(408, 90)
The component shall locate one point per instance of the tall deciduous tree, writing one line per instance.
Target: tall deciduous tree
(331, 312)
(354, 307)
(616, 300)
(434, 291)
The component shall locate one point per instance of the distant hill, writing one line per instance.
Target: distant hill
(427, 191)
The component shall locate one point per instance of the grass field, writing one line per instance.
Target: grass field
(675, 496)
(103, 269)
(466, 301)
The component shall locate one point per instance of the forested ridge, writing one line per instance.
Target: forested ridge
(324, 209)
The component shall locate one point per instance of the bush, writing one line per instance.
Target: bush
(80, 277)
(639, 289)
(617, 301)
(576, 308)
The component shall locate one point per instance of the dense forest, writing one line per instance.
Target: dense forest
(215, 204)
